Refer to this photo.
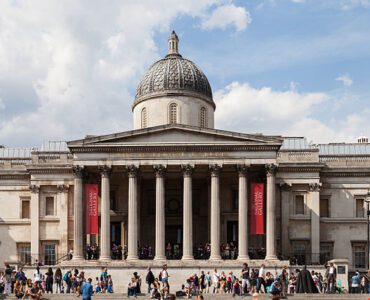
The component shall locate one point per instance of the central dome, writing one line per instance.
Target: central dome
(173, 91)
(174, 75)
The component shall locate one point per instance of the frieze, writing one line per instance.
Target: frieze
(210, 149)
(68, 170)
(345, 174)
(14, 176)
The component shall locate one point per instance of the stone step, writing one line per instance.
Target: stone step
(207, 296)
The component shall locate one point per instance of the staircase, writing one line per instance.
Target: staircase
(209, 296)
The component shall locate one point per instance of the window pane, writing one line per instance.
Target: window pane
(24, 254)
(359, 255)
(359, 208)
(49, 206)
(299, 205)
(50, 256)
(25, 209)
(324, 208)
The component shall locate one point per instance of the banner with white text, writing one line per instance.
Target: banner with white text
(257, 224)
(91, 200)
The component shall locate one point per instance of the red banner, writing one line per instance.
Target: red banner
(91, 200)
(257, 212)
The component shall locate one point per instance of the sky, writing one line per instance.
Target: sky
(284, 67)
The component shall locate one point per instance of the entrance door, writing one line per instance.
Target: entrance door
(116, 233)
(232, 231)
(174, 234)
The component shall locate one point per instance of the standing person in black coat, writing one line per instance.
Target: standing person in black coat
(149, 279)
(305, 283)
(49, 281)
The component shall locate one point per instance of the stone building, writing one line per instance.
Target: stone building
(176, 179)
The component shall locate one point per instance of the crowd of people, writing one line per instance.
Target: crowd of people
(72, 281)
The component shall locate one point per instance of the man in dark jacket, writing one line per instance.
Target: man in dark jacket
(331, 277)
(149, 279)
(305, 282)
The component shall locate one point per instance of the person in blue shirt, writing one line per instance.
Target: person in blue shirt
(87, 290)
(355, 286)
(276, 288)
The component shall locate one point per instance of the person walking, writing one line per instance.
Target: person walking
(87, 290)
(149, 279)
(8, 280)
(245, 279)
(216, 281)
(331, 278)
(261, 279)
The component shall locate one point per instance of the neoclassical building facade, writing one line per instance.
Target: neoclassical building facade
(176, 179)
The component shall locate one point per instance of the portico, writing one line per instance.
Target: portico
(189, 183)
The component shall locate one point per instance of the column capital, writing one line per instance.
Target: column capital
(132, 171)
(160, 170)
(78, 171)
(105, 171)
(285, 187)
(242, 170)
(187, 170)
(271, 169)
(62, 188)
(34, 188)
(314, 187)
(215, 170)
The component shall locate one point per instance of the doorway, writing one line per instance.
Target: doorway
(116, 233)
(232, 231)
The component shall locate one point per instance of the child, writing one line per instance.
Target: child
(97, 286)
(110, 285)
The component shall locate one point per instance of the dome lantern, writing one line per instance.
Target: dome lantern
(173, 44)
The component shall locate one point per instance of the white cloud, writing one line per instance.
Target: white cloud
(345, 79)
(225, 16)
(244, 108)
(77, 65)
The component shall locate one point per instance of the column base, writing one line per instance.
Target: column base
(105, 258)
(187, 257)
(132, 257)
(243, 257)
(215, 257)
(77, 258)
(271, 257)
(160, 257)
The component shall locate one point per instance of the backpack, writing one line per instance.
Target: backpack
(160, 276)
(65, 277)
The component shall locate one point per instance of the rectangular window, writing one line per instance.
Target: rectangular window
(359, 254)
(326, 252)
(49, 254)
(299, 205)
(25, 213)
(49, 211)
(299, 252)
(24, 253)
(324, 208)
(360, 212)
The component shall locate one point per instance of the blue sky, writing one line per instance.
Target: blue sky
(287, 67)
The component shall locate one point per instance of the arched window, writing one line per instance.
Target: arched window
(203, 117)
(173, 113)
(144, 118)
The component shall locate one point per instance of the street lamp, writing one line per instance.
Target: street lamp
(367, 199)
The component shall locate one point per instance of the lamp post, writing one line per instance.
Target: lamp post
(367, 199)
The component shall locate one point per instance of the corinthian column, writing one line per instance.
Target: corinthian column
(132, 213)
(187, 254)
(160, 212)
(270, 210)
(243, 213)
(78, 214)
(314, 194)
(215, 212)
(105, 246)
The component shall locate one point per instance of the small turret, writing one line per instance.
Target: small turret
(173, 44)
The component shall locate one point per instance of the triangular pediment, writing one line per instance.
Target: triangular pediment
(176, 135)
